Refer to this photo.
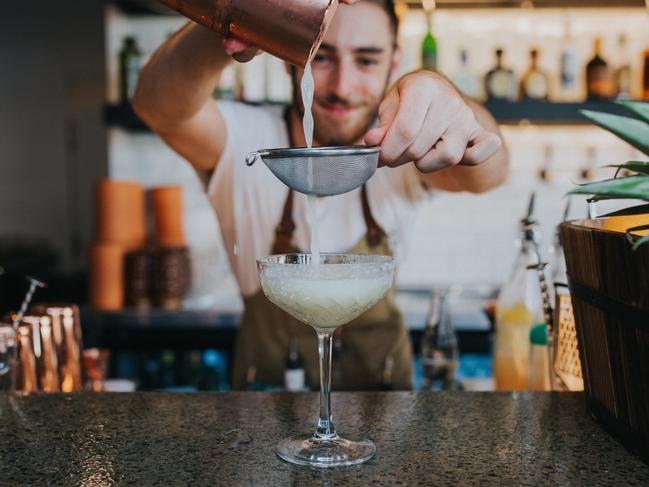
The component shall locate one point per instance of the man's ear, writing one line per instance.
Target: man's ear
(395, 64)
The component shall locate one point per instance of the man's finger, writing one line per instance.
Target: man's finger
(405, 126)
(387, 112)
(481, 147)
(433, 128)
(239, 50)
(448, 152)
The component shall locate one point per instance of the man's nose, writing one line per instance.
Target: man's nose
(343, 80)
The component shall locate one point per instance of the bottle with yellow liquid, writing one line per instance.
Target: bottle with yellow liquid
(519, 307)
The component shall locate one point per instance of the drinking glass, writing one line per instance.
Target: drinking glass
(325, 296)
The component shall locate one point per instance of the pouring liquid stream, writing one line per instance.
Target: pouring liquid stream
(307, 86)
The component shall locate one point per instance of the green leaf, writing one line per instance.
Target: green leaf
(635, 187)
(640, 242)
(634, 210)
(641, 167)
(633, 131)
(630, 237)
(641, 109)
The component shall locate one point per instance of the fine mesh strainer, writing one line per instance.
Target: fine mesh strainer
(322, 171)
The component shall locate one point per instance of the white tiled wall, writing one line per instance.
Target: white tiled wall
(459, 238)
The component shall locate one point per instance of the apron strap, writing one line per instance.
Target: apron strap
(375, 234)
(286, 227)
(284, 230)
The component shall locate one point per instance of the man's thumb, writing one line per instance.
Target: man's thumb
(376, 135)
(387, 112)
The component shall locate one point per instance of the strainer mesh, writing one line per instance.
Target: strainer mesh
(332, 174)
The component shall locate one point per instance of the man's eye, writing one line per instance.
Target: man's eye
(320, 58)
(365, 61)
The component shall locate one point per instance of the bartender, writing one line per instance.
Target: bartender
(431, 137)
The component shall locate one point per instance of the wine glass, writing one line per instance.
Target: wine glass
(325, 295)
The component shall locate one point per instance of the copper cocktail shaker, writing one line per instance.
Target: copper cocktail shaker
(290, 30)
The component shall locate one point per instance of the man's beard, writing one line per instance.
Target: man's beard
(334, 136)
(330, 136)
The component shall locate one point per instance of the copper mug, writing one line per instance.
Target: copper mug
(290, 30)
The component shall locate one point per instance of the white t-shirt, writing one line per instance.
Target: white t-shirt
(249, 200)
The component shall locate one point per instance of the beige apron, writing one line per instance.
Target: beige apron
(368, 343)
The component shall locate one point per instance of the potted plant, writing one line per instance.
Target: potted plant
(608, 274)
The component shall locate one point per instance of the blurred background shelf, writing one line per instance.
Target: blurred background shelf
(121, 115)
(140, 7)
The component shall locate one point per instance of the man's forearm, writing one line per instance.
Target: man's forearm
(180, 77)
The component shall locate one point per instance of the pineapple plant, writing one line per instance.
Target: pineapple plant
(631, 180)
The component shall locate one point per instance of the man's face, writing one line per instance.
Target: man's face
(351, 70)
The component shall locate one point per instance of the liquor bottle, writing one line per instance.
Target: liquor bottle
(598, 76)
(535, 84)
(645, 73)
(518, 308)
(386, 377)
(547, 170)
(439, 348)
(211, 371)
(429, 48)
(539, 368)
(587, 172)
(500, 82)
(623, 74)
(569, 86)
(130, 59)
(294, 376)
(466, 80)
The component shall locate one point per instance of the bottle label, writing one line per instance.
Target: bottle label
(294, 380)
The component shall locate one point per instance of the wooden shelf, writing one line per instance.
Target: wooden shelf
(139, 7)
(510, 113)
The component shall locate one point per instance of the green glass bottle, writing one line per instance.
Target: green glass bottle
(429, 48)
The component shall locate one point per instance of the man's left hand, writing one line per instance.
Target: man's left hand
(425, 120)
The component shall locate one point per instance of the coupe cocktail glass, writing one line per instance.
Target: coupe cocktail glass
(325, 296)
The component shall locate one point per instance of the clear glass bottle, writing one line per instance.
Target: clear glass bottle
(569, 79)
(130, 62)
(539, 368)
(294, 376)
(439, 347)
(535, 83)
(519, 306)
(623, 73)
(500, 82)
(466, 80)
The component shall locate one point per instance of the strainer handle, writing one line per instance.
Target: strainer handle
(253, 156)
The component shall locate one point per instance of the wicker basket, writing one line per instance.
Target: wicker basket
(567, 365)
(609, 283)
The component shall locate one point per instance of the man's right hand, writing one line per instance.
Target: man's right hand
(243, 52)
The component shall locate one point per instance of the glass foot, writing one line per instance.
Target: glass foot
(320, 452)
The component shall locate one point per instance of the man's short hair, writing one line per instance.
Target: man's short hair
(388, 6)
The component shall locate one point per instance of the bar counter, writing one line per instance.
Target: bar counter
(422, 438)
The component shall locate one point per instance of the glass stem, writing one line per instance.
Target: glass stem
(325, 423)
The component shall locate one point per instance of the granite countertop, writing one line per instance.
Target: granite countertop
(422, 438)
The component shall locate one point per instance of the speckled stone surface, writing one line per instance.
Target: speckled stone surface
(229, 439)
